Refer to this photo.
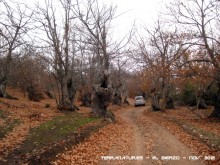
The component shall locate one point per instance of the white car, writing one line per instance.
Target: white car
(139, 101)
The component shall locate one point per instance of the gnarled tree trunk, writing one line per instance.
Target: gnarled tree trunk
(170, 103)
(3, 82)
(216, 112)
(126, 101)
(117, 99)
(68, 92)
(86, 99)
(71, 90)
(102, 95)
(155, 100)
(201, 100)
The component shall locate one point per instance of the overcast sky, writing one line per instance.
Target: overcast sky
(143, 12)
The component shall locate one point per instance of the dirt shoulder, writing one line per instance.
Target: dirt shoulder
(140, 136)
(153, 142)
(32, 133)
(135, 139)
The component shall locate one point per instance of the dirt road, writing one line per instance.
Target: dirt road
(136, 138)
(149, 143)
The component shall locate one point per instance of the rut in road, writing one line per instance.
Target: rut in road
(147, 140)
(135, 139)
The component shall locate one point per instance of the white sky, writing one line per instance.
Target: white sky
(143, 12)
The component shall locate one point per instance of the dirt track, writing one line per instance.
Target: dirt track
(150, 143)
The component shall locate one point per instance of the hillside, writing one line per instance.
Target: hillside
(34, 133)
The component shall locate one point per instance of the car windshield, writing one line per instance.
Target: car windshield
(139, 98)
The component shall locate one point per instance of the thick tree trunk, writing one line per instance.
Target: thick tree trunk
(201, 103)
(63, 98)
(3, 90)
(155, 100)
(126, 101)
(170, 103)
(164, 96)
(101, 100)
(102, 95)
(71, 89)
(86, 99)
(3, 82)
(216, 112)
(200, 100)
(49, 93)
(68, 92)
(167, 101)
(155, 103)
(117, 99)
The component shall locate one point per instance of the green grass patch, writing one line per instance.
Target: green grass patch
(52, 137)
(8, 124)
(55, 130)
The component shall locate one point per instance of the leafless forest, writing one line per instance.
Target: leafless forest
(63, 57)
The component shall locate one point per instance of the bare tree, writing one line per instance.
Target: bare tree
(13, 28)
(202, 18)
(96, 20)
(118, 76)
(165, 47)
(27, 71)
(59, 41)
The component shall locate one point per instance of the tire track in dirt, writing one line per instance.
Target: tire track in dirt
(163, 143)
(135, 139)
(139, 147)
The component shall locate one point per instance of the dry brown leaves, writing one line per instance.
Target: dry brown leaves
(16, 137)
(113, 136)
(193, 117)
(23, 110)
(150, 140)
(192, 142)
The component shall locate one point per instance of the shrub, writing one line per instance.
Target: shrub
(188, 95)
(34, 93)
(211, 95)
